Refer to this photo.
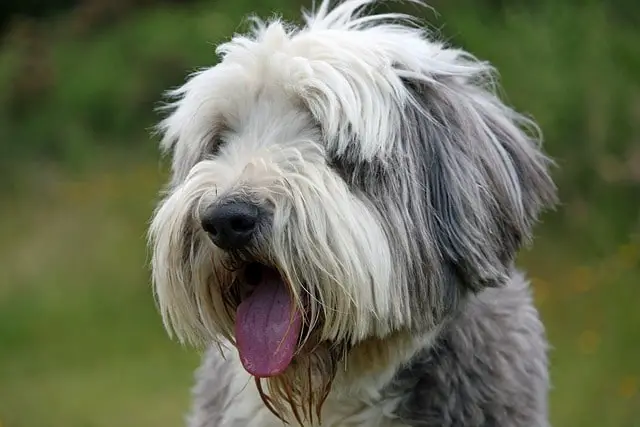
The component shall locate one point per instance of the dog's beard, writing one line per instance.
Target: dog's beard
(301, 390)
(272, 326)
(278, 340)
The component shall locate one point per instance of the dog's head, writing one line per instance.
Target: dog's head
(345, 180)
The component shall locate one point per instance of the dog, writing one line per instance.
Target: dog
(346, 200)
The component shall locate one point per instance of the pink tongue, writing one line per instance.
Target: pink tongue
(267, 328)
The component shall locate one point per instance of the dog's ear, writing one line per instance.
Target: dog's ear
(484, 176)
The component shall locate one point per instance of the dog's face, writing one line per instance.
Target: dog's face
(345, 180)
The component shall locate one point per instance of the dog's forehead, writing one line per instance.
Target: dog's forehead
(295, 67)
(348, 74)
(333, 75)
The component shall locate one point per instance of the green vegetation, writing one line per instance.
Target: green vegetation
(81, 344)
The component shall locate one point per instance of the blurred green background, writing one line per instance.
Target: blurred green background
(81, 344)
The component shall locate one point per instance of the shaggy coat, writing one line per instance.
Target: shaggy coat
(385, 189)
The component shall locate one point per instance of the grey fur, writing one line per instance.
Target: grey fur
(211, 393)
(466, 185)
(487, 369)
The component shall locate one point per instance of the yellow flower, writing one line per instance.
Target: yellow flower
(581, 279)
(628, 387)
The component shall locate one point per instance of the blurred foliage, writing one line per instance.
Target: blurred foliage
(86, 10)
(80, 342)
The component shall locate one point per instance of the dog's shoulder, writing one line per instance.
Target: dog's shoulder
(487, 368)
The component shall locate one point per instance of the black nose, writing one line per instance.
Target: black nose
(231, 225)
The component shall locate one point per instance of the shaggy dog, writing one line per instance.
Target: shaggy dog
(346, 203)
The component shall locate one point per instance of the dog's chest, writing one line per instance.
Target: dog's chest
(352, 410)
(334, 414)
(357, 414)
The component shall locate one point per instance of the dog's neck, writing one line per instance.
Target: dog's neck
(372, 363)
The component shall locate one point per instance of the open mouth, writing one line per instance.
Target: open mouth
(268, 322)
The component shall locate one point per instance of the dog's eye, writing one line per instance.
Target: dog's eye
(215, 145)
